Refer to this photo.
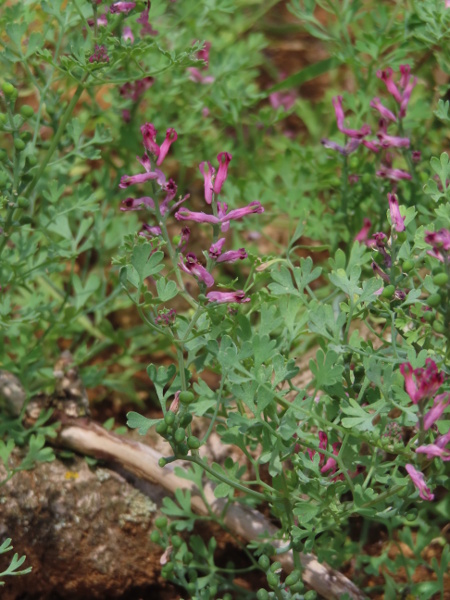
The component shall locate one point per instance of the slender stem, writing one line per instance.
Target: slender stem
(61, 129)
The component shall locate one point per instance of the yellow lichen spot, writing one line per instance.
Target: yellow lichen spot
(71, 475)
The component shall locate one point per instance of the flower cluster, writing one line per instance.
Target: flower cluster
(220, 218)
(421, 385)
(100, 55)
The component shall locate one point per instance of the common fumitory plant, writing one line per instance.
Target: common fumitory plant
(299, 293)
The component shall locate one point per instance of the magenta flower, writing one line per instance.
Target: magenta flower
(398, 222)
(363, 234)
(440, 241)
(137, 203)
(224, 159)
(440, 403)
(393, 174)
(150, 230)
(350, 146)
(384, 112)
(419, 481)
(232, 256)
(122, 7)
(143, 20)
(203, 54)
(436, 450)
(284, 99)
(392, 141)
(133, 90)
(127, 34)
(171, 137)
(127, 180)
(373, 145)
(100, 55)
(149, 138)
(198, 77)
(386, 77)
(407, 84)
(223, 217)
(421, 383)
(340, 117)
(416, 155)
(225, 297)
(193, 267)
(208, 173)
(216, 249)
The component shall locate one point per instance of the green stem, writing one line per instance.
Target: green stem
(224, 479)
(61, 129)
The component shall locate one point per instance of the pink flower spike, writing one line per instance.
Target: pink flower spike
(393, 174)
(225, 297)
(171, 137)
(143, 19)
(208, 173)
(122, 7)
(216, 249)
(419, 481)
(386, 77)
(224, 159)
(149, 139)
(127, 34)
(398, 222)
(440, 403)
(137, 203)
(193, 267)
(232, 256)
(384, 112)
(363, 234)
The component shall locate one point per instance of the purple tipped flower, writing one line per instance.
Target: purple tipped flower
(223, 217)
(143, 19)
(398, 222)
(386, 76)
(122, 7)
(384, 112)
(232, 256)
(440, 241)
(419, 481)
(226, 297)
(350, 146)
(393, 174)
(224, 159)
(193, 267)
(198, 77)
(421, 383)
(440, 403)
(436, 450)
(149, 139)
(100, 55)
(127, 180)
(340, 117)
(208, 173)
(171, 137)
(184, 239)
(127, 34)
(216, 249)
(150, 230)
(407, 84)
(363, 234)
(137, 203)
